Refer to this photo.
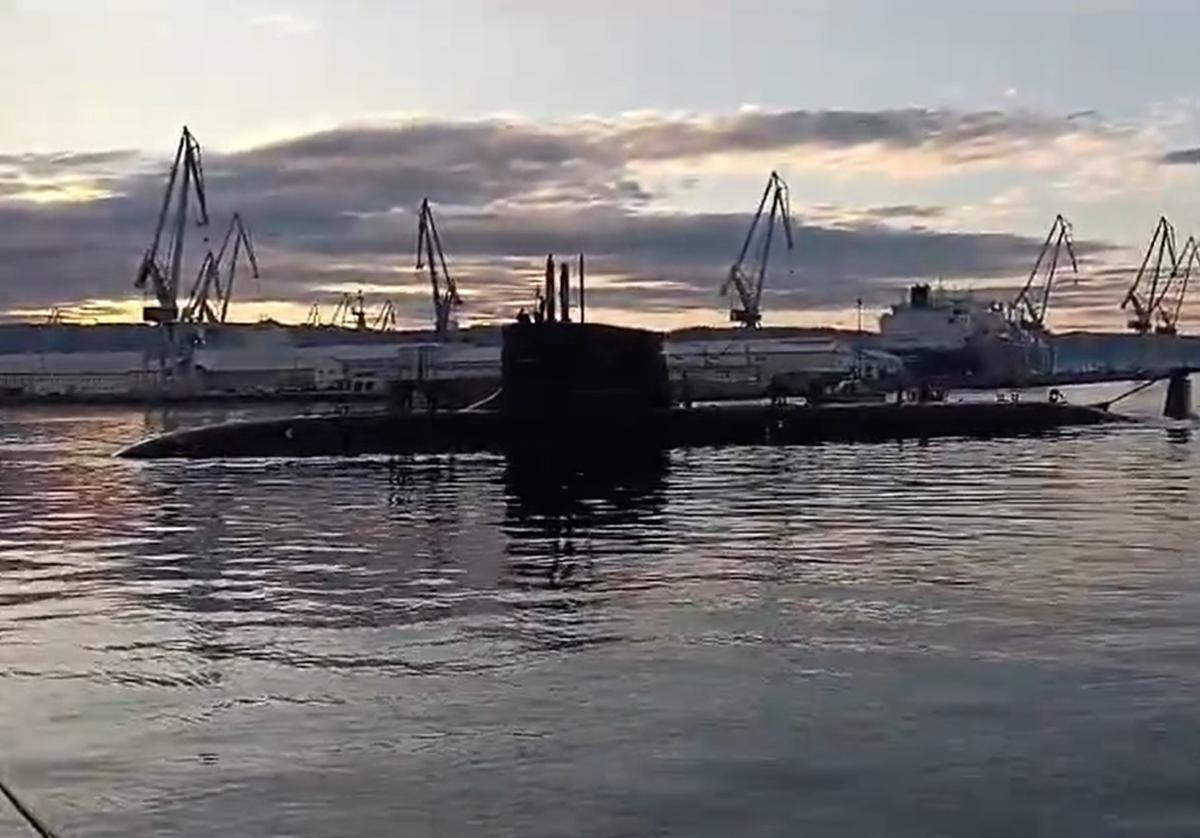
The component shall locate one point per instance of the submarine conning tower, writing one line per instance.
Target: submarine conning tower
(591, 371)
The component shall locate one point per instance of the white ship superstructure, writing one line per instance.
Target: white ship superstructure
(956, 333)
(937, 319)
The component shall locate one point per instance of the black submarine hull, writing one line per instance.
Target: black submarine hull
(400, 433)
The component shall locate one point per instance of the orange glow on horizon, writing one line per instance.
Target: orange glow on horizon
(287, 312)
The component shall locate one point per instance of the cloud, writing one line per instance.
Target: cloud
(960, 136)
(380, 166)
(285, 23)
(905, 211)
(90, 163)
(894, 215)
(373, 167)
(486, 159)
(334, 209)
(587, 160)
(64, 177)
(652, 262)
(1181, 157)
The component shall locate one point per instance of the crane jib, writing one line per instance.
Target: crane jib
(1161, 255)
(749, 285)
(1032, 307)
(432, 256)
(160, 273)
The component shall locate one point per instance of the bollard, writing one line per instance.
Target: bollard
(1179, 396)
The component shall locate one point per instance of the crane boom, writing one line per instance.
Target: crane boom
(1168, 315)
(241, 240)
(386, 319)
(208, 300)
(1147, 305)
(349, 313)
(747, 309)
(161, 272)
(198, 309)
(1029, 305)
(341, 312)
(431, 255)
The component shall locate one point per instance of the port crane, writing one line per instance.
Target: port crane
(1146, 303)
(1031, 303)
(208, 301)
(386, 319)
(350, 312)
(747, 309)
(430, 255)
(1169, 310)
(159, 271)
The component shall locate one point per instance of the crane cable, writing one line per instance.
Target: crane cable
(28, 816)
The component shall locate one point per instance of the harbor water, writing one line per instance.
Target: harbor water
(955, 638)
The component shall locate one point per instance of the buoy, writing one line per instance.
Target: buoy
(1179, 396)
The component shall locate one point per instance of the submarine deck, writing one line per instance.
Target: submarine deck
(398, 433)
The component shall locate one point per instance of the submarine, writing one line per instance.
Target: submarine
(574, 386)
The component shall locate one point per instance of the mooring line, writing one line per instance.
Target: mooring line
(29, 817)
(1106, 405)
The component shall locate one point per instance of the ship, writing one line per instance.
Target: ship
(948, 333)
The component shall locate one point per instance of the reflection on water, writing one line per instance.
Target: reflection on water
(563, 519)
(1181, 434)
(554, 508)
(829, 640)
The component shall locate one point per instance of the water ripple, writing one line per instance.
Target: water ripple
(910, 616)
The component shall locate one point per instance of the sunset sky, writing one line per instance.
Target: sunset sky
(920, 139)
